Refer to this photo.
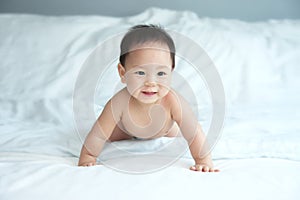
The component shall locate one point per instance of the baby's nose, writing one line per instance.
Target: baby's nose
(150, 83)
(150, 80)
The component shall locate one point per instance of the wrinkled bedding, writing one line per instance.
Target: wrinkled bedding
(257, 152)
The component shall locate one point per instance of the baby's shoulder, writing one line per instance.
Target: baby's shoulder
(176, 101)
(120, 100)
(121, 95)
(172, 98)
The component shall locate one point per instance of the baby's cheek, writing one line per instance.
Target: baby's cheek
(163, 91)
(133, 85)
(164, 81)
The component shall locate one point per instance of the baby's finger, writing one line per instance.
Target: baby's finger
(199, 167)
(205, 169)
(213, 170)
(193, 168)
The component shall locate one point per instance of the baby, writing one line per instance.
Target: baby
(147, 107)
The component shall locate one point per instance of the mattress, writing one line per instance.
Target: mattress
(43, 122)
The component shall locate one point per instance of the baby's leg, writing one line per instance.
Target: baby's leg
(174, 131)
(119, 134)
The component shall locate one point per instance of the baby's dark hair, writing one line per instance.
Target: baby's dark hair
(141, 34)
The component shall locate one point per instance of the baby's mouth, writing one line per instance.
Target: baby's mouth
(148, 93)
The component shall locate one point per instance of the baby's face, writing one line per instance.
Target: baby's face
(148, 71)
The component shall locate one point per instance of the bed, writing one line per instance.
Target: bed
(258, 146)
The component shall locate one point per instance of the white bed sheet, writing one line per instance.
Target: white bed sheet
(258, 153)
(25, 176)
(34, 165)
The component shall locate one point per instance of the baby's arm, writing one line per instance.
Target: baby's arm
(100, 132)
(202, 157)
(192, 132)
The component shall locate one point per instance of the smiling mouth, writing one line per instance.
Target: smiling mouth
(149, 93)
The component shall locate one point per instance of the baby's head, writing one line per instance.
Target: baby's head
(140, 36)
(146, 62)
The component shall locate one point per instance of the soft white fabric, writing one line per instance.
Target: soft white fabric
(32, 176)
(41, 57)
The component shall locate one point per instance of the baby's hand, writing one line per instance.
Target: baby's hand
(88, 164)
(203, 167)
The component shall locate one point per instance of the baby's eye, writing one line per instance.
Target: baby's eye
(161, 73)
(141, 73)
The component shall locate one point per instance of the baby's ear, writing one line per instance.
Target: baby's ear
(121, 71)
